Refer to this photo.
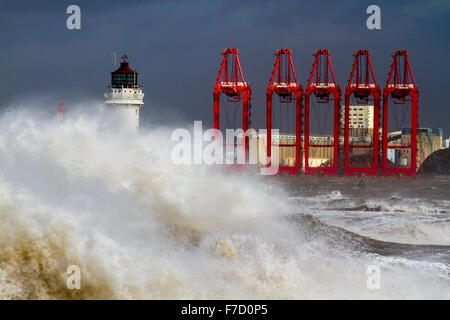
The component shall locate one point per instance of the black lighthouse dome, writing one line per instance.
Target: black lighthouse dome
(124, 77)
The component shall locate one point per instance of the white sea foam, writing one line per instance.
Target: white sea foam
(72, 191)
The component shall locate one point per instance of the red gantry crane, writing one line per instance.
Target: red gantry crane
(288, 90)
(321, 88)
(401, 88)
(360, 140)
(231, 83)
(61, 108)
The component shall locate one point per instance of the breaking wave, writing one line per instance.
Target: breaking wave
(74, 192)
(394, 218)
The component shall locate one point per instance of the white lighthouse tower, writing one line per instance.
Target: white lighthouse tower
(125, 96)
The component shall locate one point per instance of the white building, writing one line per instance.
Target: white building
(360, 116)
(446, 143)
(125, 96)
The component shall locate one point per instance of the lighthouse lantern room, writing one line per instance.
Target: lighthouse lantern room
(125, 96)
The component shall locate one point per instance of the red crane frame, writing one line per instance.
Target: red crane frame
(234, 88)
(400, 92)
(322, 90)
(362, 89)
(61, 108)
(285, 90)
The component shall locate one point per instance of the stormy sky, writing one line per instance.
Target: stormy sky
(176, 45)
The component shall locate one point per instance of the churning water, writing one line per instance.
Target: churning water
(73, 191)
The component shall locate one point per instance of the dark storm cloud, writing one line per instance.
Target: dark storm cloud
(175, 46)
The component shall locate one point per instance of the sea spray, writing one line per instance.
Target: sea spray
(75, 192)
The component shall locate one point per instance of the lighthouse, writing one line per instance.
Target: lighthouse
(125, 96)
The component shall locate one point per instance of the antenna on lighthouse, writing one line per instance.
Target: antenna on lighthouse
(114, 60)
